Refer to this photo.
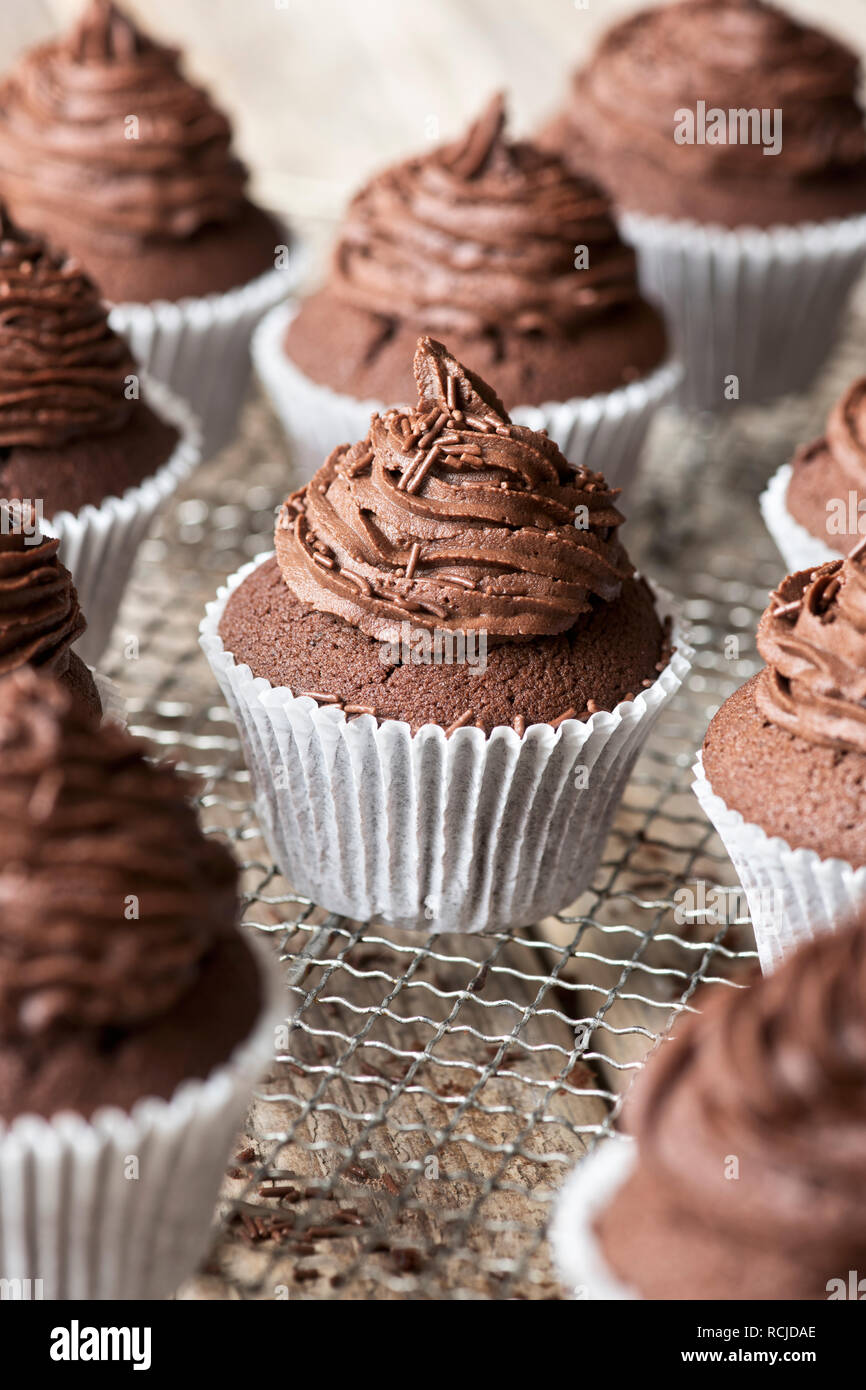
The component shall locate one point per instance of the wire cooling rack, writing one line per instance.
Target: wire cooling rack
(432, 1093)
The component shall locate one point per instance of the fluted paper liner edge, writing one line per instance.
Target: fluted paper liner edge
(98, 544)
(200, 347)
(799, 549)
(764, 305)
(75, 1215)
(604, 432)
(577, 1255)
(793, 894)
(465, 833)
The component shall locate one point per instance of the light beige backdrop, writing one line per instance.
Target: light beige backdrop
(324, 91)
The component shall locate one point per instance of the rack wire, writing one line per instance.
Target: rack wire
(432, 1093)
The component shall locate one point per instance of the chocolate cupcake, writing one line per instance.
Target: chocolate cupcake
(131, 1009)
(783, 766)
(746, 1178)
(815, 506)
(450, 613)
(731, 137)
(494, 244)
(108, 149)
(79, 442)
(40, 616)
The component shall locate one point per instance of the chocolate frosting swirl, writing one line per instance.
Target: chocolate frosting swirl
(62, 369)
(450, 516)
(110, 896)
(39, 613)
(813, 638)
(845, 440)
(728, 54)
(479, 236)
(776, 1075)
(65, 144)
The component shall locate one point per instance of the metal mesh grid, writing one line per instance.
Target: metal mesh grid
(433, 1093)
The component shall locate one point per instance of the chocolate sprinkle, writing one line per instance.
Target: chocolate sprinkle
(466, 718)
(412, 562)
(319, 696)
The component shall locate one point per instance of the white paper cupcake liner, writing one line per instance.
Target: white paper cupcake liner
(604, 432)
(464, 834)
(99, 544)
(201, 347)
(798, 547)
(77, 1226)
(578, 1257)
(763, 305)
(793, 894)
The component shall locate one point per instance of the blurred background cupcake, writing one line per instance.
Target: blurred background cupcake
(783, 767)
(496, 246)
(134, 1018)
(745, 1180)
(81, 443)
(40, 616)
(815, 506)
(732, 140)
(108, 149)
(443, 677)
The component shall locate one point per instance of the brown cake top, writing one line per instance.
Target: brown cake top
(102, 127)
(110, 895)
(449, 515)
(813, 638)
(726, 54)
(484, 235)
(773, 1076)
(63, 370)
(40, 616)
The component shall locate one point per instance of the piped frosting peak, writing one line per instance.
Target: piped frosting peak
(813, 639)
(451, 516)
(480, 236)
